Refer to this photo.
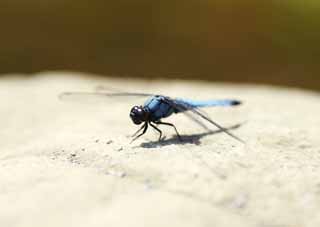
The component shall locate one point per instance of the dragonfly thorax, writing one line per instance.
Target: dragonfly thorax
(138, 115)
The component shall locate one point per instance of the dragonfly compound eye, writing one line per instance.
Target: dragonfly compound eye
(137, 115)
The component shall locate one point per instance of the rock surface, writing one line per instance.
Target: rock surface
(70, 163)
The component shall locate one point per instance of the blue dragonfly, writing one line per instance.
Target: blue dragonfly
(158, 107)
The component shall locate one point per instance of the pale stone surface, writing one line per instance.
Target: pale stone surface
(70, 163)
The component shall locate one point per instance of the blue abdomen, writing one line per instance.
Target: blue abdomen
(159, 109)
(209, 103)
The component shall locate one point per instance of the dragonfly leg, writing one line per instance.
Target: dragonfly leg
(145, 127)
(142, 127)
(155, 127)
(169, 124)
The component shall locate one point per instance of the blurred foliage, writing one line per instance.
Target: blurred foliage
(246, 41)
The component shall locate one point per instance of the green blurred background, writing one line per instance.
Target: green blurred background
(275, 42)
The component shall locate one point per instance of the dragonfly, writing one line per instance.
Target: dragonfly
(158, 107)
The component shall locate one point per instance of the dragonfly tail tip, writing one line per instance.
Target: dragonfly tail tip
(236, 102)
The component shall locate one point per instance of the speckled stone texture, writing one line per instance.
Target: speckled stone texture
(70, 163)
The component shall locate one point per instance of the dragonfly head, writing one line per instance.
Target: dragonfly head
(138, 115)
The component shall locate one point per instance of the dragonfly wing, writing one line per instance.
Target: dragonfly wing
(95, 96)
(181, 107)
(112, 90)
(196, 111)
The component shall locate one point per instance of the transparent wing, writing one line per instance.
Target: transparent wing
(104, 88)
(193, 113)
(196, 111)
(96, 96)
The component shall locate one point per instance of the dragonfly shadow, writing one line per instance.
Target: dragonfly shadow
(186, 139)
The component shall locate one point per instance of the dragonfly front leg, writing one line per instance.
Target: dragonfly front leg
(158, 130)
(144, 127)
(169, 124)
